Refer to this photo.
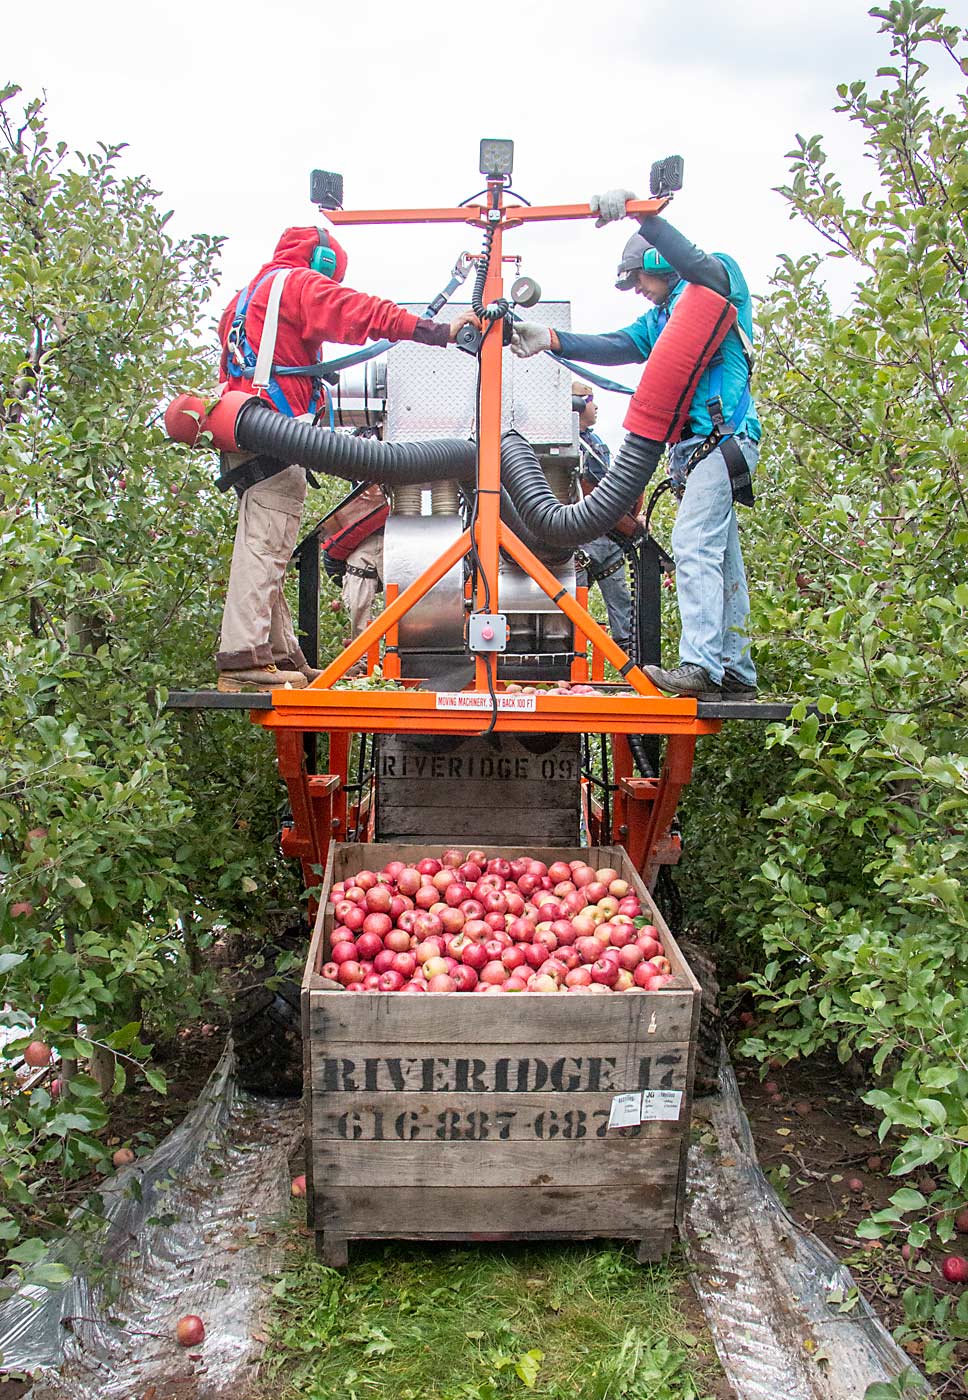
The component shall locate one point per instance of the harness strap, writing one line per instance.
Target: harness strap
(368, 572)
(267, 345)
(256, 469)
(250, 473)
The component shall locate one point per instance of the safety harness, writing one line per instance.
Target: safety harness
(724, 430)
(242, 363)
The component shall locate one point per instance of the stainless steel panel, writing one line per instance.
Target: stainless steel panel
(431, 392)
(536, 623)
(410, 543)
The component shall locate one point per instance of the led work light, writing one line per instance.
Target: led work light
(497, 157)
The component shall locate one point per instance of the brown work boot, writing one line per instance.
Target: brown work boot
(259, 678)
(312, 673)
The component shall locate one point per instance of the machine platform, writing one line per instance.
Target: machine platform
(765, 711)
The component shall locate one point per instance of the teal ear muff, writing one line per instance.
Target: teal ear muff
(324, 257)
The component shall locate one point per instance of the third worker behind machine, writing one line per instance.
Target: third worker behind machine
(606, 560)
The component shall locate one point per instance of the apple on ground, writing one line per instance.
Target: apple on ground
(190, 1330)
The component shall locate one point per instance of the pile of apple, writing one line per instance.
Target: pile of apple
(466, 923)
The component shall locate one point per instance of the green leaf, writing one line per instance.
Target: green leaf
(528, 1365)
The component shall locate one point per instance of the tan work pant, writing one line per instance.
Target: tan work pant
(256, 623)
(358, 593)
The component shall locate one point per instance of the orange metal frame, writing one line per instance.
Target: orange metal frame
(643, 808)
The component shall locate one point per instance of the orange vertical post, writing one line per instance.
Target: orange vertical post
(487, 529)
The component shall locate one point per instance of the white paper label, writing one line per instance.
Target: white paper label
(664, 1104)
(475, 700)
(626, 1111)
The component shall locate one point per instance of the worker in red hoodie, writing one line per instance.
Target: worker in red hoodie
(293, 304)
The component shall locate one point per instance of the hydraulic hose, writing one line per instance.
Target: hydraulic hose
(570, 525)
(259, 428)
(548, 554)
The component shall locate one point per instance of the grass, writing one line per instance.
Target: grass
(487, 1322)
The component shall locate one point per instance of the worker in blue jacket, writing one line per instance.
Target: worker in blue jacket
(710, 467)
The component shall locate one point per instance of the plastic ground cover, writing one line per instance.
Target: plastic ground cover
(764, 1282)
(189, 1229)
(198, 1237)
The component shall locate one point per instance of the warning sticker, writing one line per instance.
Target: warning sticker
(665, 1104)
(626, 1111)
(472, 700)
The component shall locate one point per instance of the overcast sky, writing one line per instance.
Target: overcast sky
(227, 108)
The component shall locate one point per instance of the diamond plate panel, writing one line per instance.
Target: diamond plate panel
(431, 392)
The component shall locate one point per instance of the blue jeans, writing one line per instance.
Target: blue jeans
(714, 601)
(603, 553)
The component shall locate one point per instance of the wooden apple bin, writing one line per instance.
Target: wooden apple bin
(463, 1116)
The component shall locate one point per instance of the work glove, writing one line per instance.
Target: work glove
(610, 205)
(528, 338)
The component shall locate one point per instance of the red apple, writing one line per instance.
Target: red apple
(513, 957)
(499, 866)
(350, 973)
(955, 1268)
(470, 873)
(404, 963)
(456, 894)
(630, 956)
(391, 981)
(369, 945)
(472, 909)
(651, 947)
(605, 971)
(409, 881)
(590, 949)
(123, 1157)
(494, 972)
(297, 1186)
(428, 866)
(477, 929)
(644, 976)
(330, 971)
(37, 1054)
(464, 978)
(578, 977)
(452, 858)
(426, 896)
(379, 899)
(343, 951)
(474, 955)
(397, 940)
(190, 1330)
(452, 919)
(427, 925)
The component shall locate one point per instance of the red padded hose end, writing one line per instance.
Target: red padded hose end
(183, 418)
(659, 409)
(223, 417)
(186, 419)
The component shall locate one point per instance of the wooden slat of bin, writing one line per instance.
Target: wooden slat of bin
(619, 1161)
(521, 1019)
(609, 1067)
(435, 825)
(487, 1118)
(462, 1212)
